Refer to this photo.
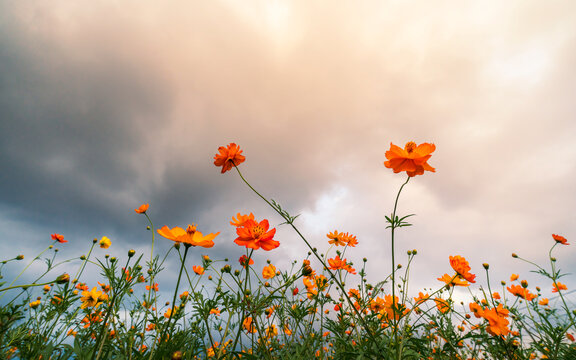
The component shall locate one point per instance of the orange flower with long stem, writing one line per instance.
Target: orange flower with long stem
(59, 238)
(142, 209)
(560, 239)
(228, 157)
(461, 266)
(412, 159)
(557, 286)
(337, 238)
(189, 237)
(199, 270)
(256, 235)
(521, 292)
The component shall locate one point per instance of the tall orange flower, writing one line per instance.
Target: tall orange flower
(199, 270)
(240, 219)
(521, 292)
(59, 238)
(256, 235)
(560, 239)
(557, 286)
(498, 324)
(461, 266)
(412, 159)
(229, 157)
(142, 209)
(189, 237)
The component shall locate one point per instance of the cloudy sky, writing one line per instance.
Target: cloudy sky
(105, 105)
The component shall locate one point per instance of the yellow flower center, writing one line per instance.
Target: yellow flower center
(410, 146)
(191, 229)
(258, 231)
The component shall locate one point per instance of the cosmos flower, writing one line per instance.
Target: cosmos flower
(461, 266)
(560, 239)
(198, 269)
(189, 237)
(92, 298)
(269, 271)
(557, 286)
(412, 159)
(256, 235)
(228, 157)
(59, 238)
(105, 242)
(142, 209)
(240, 219)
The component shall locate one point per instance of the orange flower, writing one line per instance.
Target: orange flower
(240, 219)
(560, 239)
(269, 272)
(461, 266)
(142, 209)
(521, 292)
(248, 325)
(337, 238)
(153, 287)
(421, 298)
(337, 263)
(442, 305)
(557, 286)
(228, 157)
(455, 280)
(244, 261)
(255, 235)
(543, 302)
(514, 277)
(59, 238)
(497, 320)
(215, 311)
(476, 309)
(190, 236)
(496, 296)
(198, 269)
(412, 159)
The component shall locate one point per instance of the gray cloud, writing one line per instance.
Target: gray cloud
(99, 116)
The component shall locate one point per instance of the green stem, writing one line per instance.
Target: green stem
(186, 247)
(393, 228)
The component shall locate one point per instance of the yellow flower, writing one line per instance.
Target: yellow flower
(105, 242)
(92, 298)
(269, 272)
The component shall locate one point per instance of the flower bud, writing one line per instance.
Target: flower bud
(63, 279)
(503, 283)
(112, 259)
(414, 251)
(552, 259)
(83, 257)
(486, 266)
(131, 252)
(147, 227)
(524, 284)
(177, 246)
(20, 257)
(94, 241)
(514, 255)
